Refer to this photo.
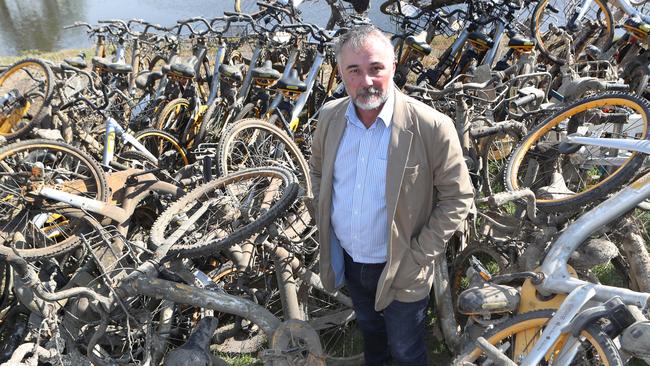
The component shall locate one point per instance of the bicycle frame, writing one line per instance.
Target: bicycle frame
(113, 128)
(556, 275)
(557, 278)
(624, 5)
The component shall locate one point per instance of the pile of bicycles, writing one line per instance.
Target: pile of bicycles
(154, 196)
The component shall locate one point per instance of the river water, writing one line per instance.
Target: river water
(38, 24)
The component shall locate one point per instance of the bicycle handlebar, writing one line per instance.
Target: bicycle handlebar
(31, 280)
(186, 23)
(78, 24)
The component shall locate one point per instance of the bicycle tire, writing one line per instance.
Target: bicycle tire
(159, 149)
(495, 151)
(245, 112)
(14, 110)
(270, 145)
(533, 322)
(202, 194)
(175, 116)
(228, 157)
(58, 234)
(213, 121)
(602, 39)
(541, 147)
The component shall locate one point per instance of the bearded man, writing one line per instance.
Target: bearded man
(390, 187)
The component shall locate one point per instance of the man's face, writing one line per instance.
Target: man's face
(367, 73)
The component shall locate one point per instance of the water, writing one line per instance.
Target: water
(38, 24)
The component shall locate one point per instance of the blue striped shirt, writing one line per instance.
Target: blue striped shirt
(359, 217)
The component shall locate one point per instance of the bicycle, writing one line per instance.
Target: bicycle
(553, 277)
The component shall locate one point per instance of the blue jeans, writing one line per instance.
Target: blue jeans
(395, 334)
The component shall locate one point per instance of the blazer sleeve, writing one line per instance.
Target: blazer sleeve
(455, 193)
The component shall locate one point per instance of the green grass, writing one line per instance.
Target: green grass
(56, 56)
(245, 360)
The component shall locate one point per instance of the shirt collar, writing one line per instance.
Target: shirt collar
(385, 115)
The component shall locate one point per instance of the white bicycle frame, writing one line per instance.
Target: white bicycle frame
(555, 270)
(624, 5)
(113, 128)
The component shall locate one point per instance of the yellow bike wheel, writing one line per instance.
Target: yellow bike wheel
(550, 24)
(165, 147)
(25, 93)
(567, 177)
(519, 335)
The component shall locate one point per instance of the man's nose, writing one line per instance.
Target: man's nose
(367, 80)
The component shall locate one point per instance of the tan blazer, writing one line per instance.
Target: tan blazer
(428, 195)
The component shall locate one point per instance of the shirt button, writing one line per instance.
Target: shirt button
(356, 212)
(358, 185)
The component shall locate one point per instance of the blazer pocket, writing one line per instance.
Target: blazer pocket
(408, 272)
(411, 173)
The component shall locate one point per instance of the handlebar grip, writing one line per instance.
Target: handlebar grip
(502, 198)
(525, 100)
(415, 89)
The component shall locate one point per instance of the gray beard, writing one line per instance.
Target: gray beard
(376, 103)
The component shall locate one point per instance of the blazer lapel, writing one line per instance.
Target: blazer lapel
(332, 142)
(398, 153)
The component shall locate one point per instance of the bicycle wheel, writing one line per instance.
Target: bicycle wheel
(25, 93)
(554, 20)
(165, 147)
(250, 110)
(175, 116)
(256, 143)
(495, 151)
(214, 121)
(519, 334)
(50, 228)
(335, 323)
(225, 211)
(579, 175)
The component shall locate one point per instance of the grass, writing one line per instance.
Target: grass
(56, 56)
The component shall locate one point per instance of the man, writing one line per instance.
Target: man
(390, 188)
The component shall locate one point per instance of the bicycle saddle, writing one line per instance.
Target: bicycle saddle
(488, 298)
(480, 40)
(184, 69)
(231, 72)
(111, 66)
(521, 42)
(292, 82)
(147, 78)
(421, 47)
(266, 71)
(77, 62)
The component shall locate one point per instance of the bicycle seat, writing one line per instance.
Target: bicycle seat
(292, 83)
(521, 42)
(266, 71)
(182, 69)
(147, 78)
(488, 298)
(111, 66)
(419, 46)
(637, 27)
(480, 40)
(231, 72)
(77, 62)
